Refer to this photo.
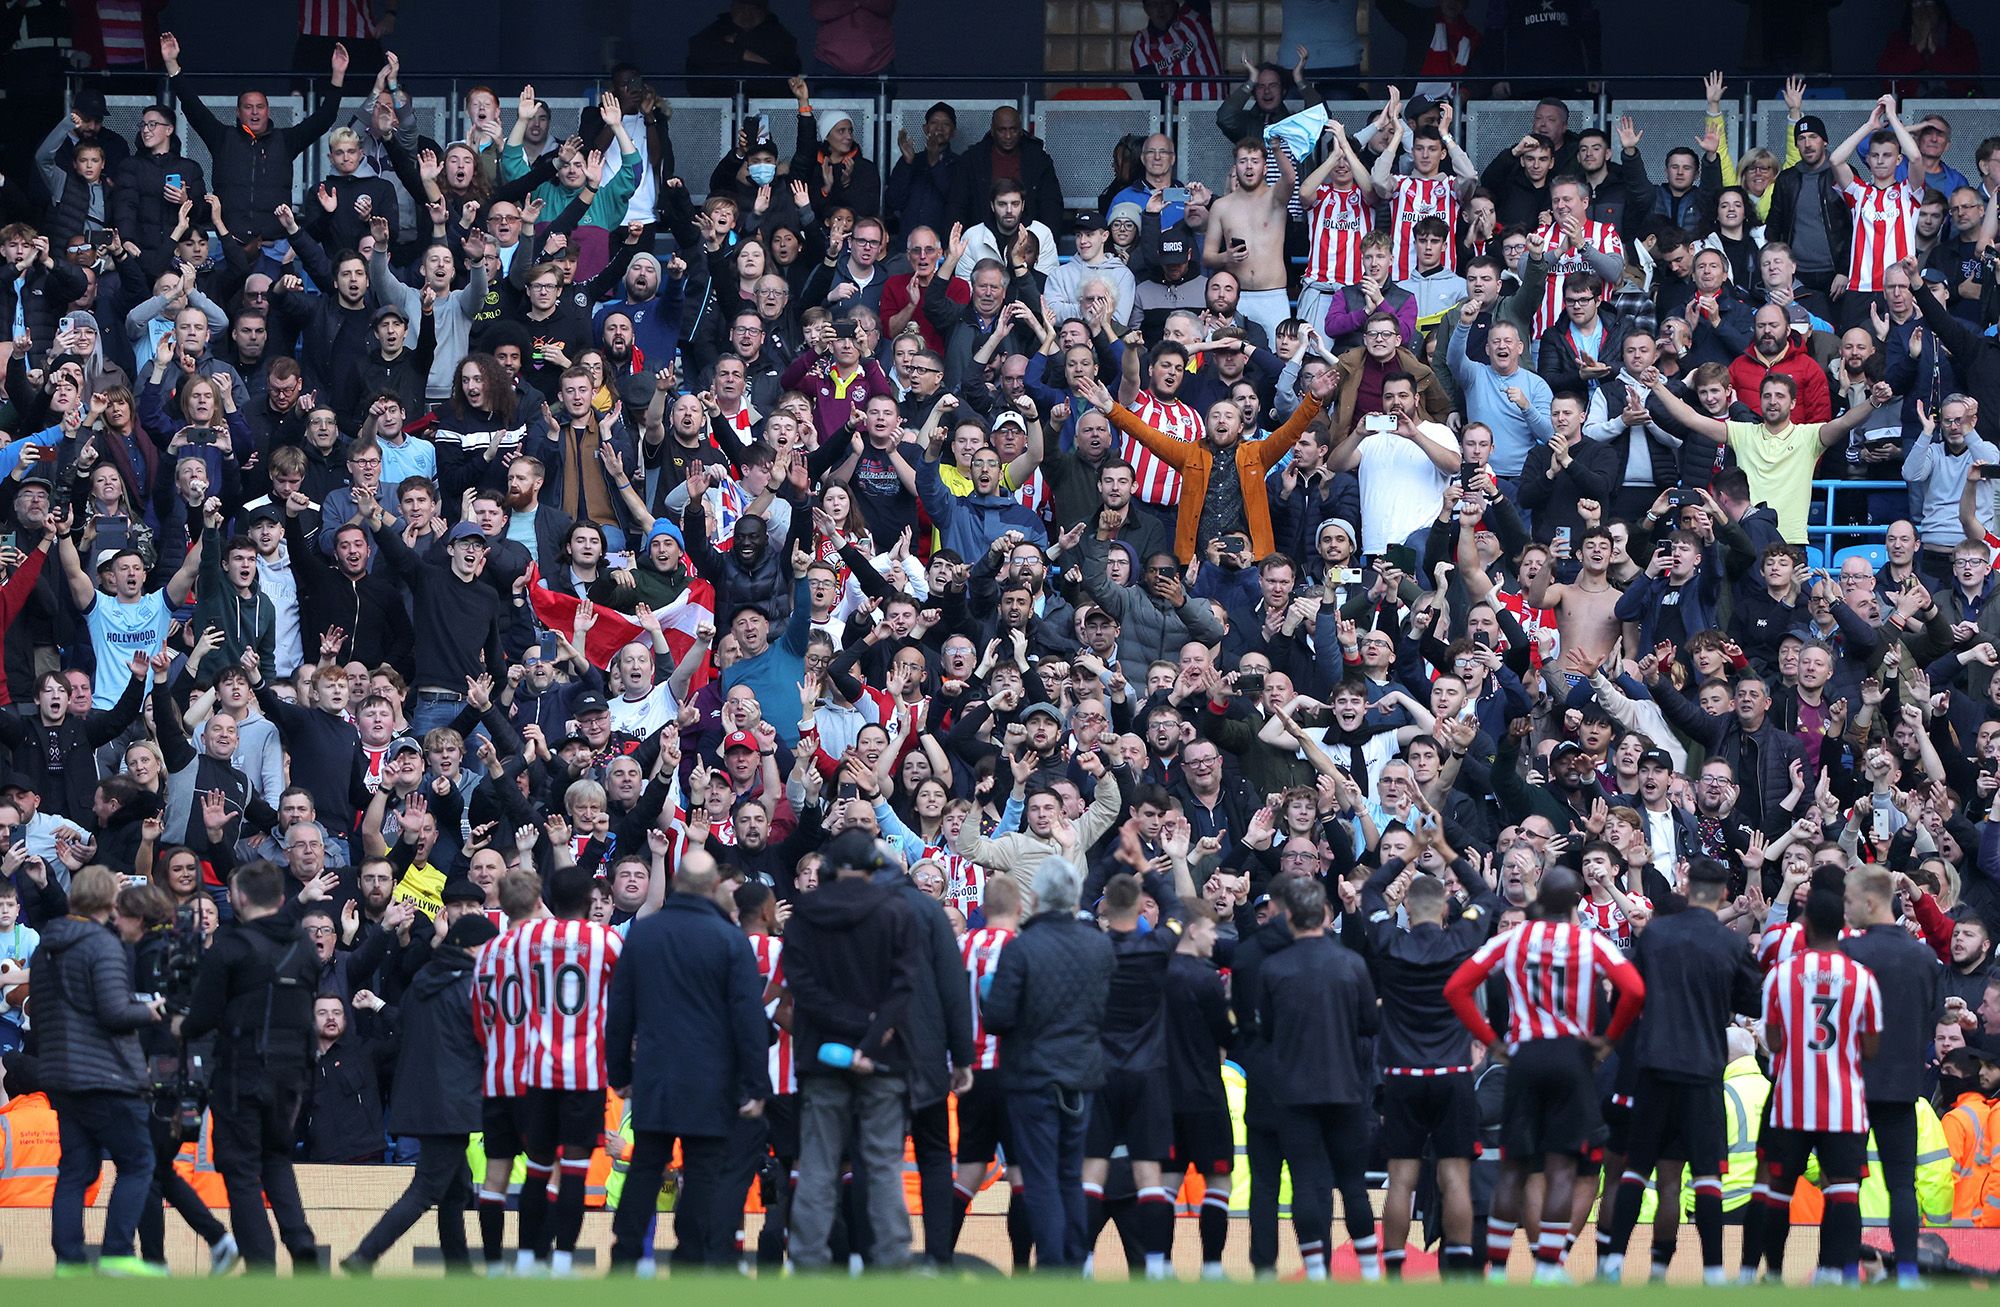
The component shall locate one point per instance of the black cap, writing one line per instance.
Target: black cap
(389, 311)
(1564, 750)
(1042, 706)
(1657, 758)
(852, 849)
(460, 889)
(90, 105)
(1088, 220)
(590, 701)
(35, 479)
(14, 780)
(1418, 107)
(470, 930)
(1176, 246)
(1813, 123)
(262, 513)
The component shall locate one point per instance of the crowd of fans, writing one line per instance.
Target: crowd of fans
(881, 553)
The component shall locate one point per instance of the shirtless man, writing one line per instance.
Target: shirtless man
(1246, 234)
(1586, 608)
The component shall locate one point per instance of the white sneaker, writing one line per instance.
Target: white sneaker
(562, 1265)
(1546, 1274)
(1213, 1271)
(223, 1255)
(526, 1267)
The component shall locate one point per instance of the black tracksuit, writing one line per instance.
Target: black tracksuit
(1316, 1003)
(1698, 973)
(1910, 976)
(1419, 1029)
(1260, 1113)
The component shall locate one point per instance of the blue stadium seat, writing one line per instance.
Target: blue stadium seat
(1815, 556)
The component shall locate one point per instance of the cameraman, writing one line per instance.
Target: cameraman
(256, 988)
(86, 1027)
(145, 919)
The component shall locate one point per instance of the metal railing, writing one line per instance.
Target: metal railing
(1753, 111)
(1828, 528)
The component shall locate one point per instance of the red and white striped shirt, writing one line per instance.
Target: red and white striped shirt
(566, 969)
(1553, 971)
(1159, 484)
(1186, 49)
(346, 19)
(981, 951)
(770, 951)
(1885, 229)
(1034, 494)
(1414, 199)
(1824, 1001)
(1339, 219)
(500, 1014)
(964, 879)
(1565, 261)
(1781, 941)
(1610, 921)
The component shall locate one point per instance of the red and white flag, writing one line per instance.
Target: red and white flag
(614, 630)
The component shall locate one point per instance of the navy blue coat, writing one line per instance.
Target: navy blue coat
(687, 1030)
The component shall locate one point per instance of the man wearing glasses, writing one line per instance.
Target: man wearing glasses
(921, 295)
(145, 201)
(854, 276)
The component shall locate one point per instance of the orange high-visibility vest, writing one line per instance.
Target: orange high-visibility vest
(196, 1165)
(1971, 1154)
(30, 1148)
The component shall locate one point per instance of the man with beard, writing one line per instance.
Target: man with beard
(624, 371)
(998, 236)
(969, 524)
(1402, 470)
(1007, 150)
(652, 300)
(1774, 348)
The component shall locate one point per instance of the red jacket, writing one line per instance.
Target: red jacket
(1815, 402)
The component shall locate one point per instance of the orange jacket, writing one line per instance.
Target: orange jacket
(1194, 460)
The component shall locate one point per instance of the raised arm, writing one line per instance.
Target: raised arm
(1684, 413)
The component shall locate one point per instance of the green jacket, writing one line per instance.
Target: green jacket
(606, 211)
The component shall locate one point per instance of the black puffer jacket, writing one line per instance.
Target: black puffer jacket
(253, 174)
(1047, 1004)
(139, 208)
(86, 1020)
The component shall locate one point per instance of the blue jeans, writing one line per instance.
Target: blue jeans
(1047, 1125)
(94, 1125)
(426, 715)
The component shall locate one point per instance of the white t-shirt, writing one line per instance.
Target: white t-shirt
(641, 207)
(1400, 486)
(641, 717)
(119, 630)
